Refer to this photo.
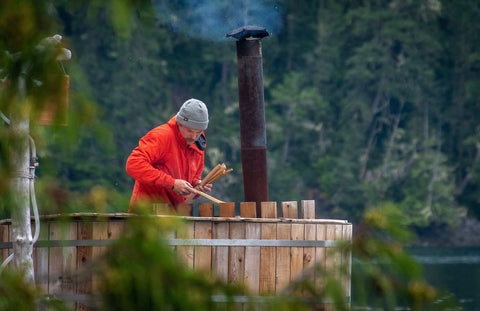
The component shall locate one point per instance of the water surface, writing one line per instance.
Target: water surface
(455, 269)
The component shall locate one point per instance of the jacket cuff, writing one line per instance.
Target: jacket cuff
(168, 183)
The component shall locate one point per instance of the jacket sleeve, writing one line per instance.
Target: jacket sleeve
(140, 162)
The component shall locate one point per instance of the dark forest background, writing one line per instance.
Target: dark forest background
(368, 103)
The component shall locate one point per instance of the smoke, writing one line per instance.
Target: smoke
(213, 19)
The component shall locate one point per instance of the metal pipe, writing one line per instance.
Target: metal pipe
(252, 113)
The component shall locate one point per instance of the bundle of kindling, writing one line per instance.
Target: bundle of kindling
(217, 172)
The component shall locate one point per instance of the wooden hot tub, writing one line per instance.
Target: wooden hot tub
(264, 253)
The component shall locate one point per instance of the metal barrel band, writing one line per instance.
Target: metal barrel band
(191, 242)
(252, 243)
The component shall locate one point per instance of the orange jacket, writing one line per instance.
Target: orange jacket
(162, 156)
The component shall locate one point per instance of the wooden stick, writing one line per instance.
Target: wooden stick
(212, 173)
(222, 168)
(203, 194)
(208, 176)
(216, 177)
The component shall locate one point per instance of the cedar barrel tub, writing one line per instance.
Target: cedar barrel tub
(264, 253)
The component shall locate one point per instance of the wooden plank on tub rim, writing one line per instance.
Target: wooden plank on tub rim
(202, 259)
(298, 234)
(248, 209)
(347, 259)
(307, 209)
(62, 265)
(268, 254)
(290, 209)
(99, 232)
(84, 261)
(205, 209)
(320, 253)
(220, 253)
(283, 260)
(186, 252)
(252, 257)
(226, 209)
(236, 254)
(184, 209)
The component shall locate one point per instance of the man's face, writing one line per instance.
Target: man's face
(190, 135)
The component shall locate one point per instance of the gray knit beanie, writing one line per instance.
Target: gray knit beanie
(193, 114)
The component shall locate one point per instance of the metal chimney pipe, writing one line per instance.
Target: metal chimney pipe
(252, 113)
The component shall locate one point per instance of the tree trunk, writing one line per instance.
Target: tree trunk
(21, 234)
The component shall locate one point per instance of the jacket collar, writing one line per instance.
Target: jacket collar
(181, 141)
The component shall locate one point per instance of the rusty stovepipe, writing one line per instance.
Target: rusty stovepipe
(252, 113)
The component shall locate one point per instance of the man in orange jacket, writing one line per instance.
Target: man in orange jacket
(169, 159)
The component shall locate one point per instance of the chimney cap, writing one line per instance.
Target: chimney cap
(248, 32)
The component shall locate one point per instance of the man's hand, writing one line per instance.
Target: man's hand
(181, 187)
(204, 188)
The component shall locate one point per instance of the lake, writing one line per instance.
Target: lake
(453, 269)
(456, 269)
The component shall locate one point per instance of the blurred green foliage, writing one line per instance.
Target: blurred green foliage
(15, 293)
(18, 295)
